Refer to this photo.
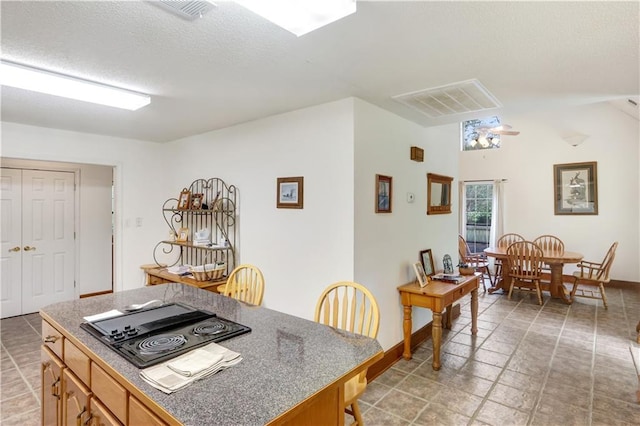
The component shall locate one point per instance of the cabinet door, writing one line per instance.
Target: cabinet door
(75, 399)
(100, 415)
(141, 415)
(51, 390)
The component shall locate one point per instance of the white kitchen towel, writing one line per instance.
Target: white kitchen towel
(169, 380)
(194, 362)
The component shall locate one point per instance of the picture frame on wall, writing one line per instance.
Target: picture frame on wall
(426, 259)
(184, 199)
(420, 274)
(575, 188)
(384, 194)
(290, 192)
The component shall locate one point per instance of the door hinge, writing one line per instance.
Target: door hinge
(74, 283)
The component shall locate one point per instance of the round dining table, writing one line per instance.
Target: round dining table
(555, 259)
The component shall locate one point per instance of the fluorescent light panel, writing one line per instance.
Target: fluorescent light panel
(37, 80)
(300, 16)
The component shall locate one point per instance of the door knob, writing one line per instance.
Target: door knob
(29, 248)
(15, 249)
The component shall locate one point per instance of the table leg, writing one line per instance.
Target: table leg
(406, 326)
(555, 287)
(474, 312)
(448, 318)
(436, 332)
(503, 281)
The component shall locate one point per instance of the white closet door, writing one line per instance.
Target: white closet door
(11, 237)
(48, 245)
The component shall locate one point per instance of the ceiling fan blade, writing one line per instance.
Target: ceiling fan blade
(505, 132)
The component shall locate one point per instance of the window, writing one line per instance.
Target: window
(476, 134)
(477, 215)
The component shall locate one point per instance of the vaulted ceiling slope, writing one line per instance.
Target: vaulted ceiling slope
(231, 66)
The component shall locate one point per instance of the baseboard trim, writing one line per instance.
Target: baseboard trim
(98, 293)
(624, 284)
(395, 353)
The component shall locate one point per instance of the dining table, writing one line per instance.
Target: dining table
(553, 258)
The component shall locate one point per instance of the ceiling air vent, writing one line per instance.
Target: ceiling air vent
(188, 9)
(457, 98)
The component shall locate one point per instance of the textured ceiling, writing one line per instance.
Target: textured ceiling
(232, 66)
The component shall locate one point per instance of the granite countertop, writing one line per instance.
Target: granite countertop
(286, 359)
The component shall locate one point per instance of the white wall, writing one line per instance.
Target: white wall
(139, 184)
(300, 252)
(527, 162)
(387, 244)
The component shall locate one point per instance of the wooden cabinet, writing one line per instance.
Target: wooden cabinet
(100, 416)
(75, 399)
(141, 415)
(51, 391)
(213, 215)
(77, 391)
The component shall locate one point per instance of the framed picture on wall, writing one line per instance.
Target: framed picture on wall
(575, 188)
(384, 192)
(290, 192)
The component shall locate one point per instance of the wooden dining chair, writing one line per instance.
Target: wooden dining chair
(592, 274)
(549, 243)
(245, 283)
(525, 264)
(504, 242)
(477, 261)
(350, 306)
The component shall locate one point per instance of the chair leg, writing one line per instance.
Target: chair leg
(356, 413)
(539, 292)
(604, 296)
(510, 289)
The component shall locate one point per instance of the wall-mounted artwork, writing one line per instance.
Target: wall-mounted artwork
(290, 193)
(384, 192)
(575, 188)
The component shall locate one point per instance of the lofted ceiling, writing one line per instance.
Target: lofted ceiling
(232, 66)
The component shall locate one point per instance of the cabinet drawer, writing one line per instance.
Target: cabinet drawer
(141, 415)
(52, 338)
(107, 390)
(77, 361)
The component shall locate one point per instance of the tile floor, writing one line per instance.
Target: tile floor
(529, 365)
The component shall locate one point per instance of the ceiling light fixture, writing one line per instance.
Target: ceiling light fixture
(298, 16)
(42, 81)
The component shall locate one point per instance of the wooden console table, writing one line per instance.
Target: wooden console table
(159, 275)
(437, 295)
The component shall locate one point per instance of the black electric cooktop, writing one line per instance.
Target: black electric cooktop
(155, 335)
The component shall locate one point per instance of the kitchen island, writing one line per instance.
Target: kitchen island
(292, 371)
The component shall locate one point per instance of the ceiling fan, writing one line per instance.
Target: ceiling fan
(503, 129)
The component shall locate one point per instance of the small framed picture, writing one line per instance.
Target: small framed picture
(196, 201)
(426, 259)
(383, 194)
(184, 199)
(290, 193)
(183, 235)
(420, 275)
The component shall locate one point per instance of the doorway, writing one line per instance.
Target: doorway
(38, 239)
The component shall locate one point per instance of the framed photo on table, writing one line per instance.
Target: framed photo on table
(575, 188)
(420, 275)
(384, 192)
(426, 259)
(290, 193)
